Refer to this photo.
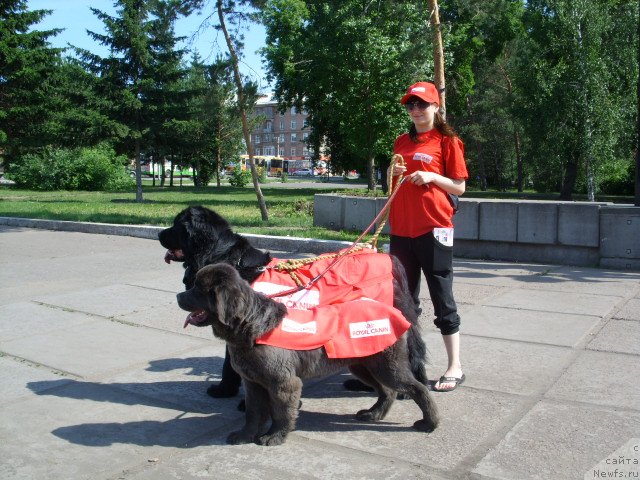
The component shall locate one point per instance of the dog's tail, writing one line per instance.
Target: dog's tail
(417, 354)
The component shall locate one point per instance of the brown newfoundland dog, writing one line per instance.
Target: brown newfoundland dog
(273, 376)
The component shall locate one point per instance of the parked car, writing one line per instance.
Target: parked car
(304, 172)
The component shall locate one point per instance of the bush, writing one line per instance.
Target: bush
(617, 178)
(240, 178)
(91, 169)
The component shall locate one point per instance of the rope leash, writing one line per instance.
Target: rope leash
(291, 265)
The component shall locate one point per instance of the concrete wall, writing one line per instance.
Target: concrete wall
(568, 233)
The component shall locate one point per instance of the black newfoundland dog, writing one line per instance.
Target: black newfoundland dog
(273, 376)
(200, 237)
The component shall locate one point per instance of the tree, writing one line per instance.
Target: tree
(166, 99)
(438, 54)
(572, 111)
(244, 102)
(124, 74)
(351, 98)
(236, 13)
(27, 62)
(213, 134)
(482, 39)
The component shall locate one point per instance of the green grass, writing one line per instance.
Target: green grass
(290, 210)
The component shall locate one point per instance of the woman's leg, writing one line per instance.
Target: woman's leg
(436, 261)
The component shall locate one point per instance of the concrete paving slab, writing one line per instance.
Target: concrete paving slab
(168, 317)
(497, 273)
(169, 281)
(553, 301)
(621, 336)
(180, 379)
(601, 378)
(467, 417)
(24, 319)
(551, 328)
(110, 301)
(468, 293)
(558, 440)
(299, 458)
(142, 396)
(629, 311)
(89, 431)
(93, 349)
(17, 374)
(517, 368)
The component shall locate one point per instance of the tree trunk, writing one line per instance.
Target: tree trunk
(218, 163)
(138, 172)
(516, 136)
(569, 182)
(243, 114)
(438, 54)
(637, 196)
(516, 141)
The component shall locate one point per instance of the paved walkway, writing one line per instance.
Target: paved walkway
(100, 381)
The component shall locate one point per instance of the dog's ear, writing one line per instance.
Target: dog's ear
(222, 284)
(255, 258)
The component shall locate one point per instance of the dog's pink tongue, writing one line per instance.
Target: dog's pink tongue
(195, 318)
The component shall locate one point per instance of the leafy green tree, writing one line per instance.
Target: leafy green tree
(482, 45)
(232, 16)
(570, 100)
(27, 62)
(351, 97)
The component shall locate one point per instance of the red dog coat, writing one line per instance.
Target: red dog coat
(349, 311)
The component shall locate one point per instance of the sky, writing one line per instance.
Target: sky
(76, 18)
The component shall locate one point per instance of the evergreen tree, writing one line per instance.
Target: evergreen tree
(124, 75)
(165, 97)
(27, 62)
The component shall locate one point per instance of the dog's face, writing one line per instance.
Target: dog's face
(193, 229)
(222, 299)
(200, 237)
(214, 296)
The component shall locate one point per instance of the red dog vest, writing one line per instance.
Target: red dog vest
(349, 311)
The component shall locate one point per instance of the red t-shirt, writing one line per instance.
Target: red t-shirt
(418, 209)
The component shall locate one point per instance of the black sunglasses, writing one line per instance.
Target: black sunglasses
(419, 104)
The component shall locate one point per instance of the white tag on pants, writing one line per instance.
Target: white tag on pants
(444, 236)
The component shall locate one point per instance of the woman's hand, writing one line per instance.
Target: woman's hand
(420, 177)
(398, 170)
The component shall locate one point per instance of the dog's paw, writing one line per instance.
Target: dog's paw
(425, 426)
(368, 416)
(271, 440)
(239, 438)
(222, 391)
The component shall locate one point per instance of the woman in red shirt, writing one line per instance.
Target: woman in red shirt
(421, 214)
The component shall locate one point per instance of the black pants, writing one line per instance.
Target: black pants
(426, 254)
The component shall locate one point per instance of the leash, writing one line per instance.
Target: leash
(292, 265)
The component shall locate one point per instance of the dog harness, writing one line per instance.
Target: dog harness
(349, 311)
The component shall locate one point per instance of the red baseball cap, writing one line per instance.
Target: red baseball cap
(426, 91)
